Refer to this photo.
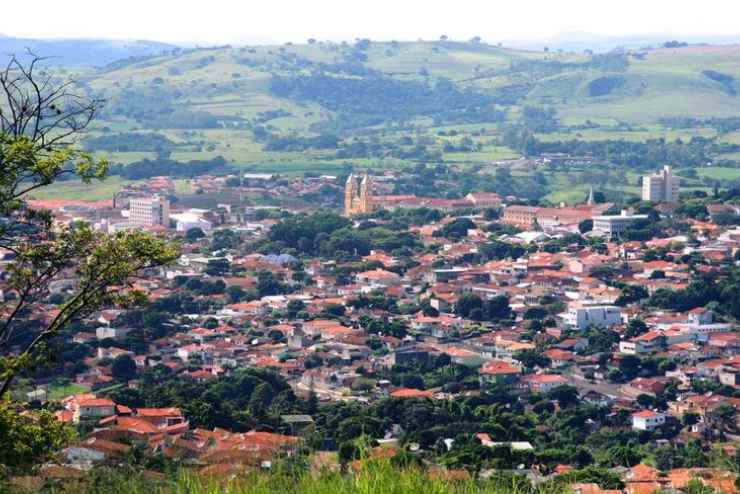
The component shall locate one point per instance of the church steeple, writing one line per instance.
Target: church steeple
(590, 200)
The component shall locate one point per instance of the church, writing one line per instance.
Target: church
(358, 195)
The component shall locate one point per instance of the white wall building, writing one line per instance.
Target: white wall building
(582, 317)
(186, 221)
(148, 211)
(661, 187)
(647, 420)
(615, 225)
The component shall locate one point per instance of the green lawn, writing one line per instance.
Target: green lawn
(719, 173)
(75, 189)
(59, 392)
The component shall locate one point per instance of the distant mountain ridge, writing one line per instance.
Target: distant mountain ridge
(579, 42)
(81, 52)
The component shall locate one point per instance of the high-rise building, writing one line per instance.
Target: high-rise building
(148, 211)
(660, 187)
(358, 200)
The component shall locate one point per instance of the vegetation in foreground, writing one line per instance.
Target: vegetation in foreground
(373, 476)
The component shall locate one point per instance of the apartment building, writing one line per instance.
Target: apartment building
(149, 211)
(661, 187)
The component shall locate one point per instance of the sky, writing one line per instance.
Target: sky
(235, 21)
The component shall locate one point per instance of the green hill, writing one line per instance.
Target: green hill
(380, 102)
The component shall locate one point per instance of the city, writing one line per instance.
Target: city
(240, 258)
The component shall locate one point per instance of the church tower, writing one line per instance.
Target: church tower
(358, 200)
(366, 194)
(349, 195)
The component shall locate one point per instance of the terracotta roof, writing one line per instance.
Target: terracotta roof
(411, 393)
(499, 367)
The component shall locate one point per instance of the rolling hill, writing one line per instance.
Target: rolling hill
(319, 106)
(81, 52)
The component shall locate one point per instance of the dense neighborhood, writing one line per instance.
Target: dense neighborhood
(478, 334)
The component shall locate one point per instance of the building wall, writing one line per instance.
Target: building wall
(358, 200)
(661, 187)
(149, 211)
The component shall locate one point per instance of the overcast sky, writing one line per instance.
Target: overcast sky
(232, 21)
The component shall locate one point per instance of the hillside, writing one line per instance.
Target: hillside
(321, 107)
(82, 52)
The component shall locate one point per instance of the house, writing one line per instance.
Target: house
(161, 417)
(647, 420)
(561, 358)
(378, 278)
(499, 372)
(644, 386)
(542, 383)
(650, 342)
(88, 406)
(104, 332)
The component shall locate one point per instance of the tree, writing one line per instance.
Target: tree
(564, 394)
(38, 118)
(235, 293)
(631, 294)
(294, 307)
(497, 308)
(466, 304)
(27, 438)
(531, 359)
(586, 226)
(124, 368)
(635, 327)
(724, 415)
(218, 267)
(194, 234)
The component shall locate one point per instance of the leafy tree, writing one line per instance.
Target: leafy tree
(635, 327)
(456, 229)
(565, 395)
(724, 416)
(236, 294)
(531, 359)
(124, 368)
(631, 294)
(217, 267)
(294, 307)
(194, 234)
(586, 226)
(466, 303)
(35, 131)
(28, 437)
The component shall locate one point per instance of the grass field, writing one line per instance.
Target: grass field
(58, 392)
(75, 189)
(719, 173)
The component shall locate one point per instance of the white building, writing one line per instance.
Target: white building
(582, 317)
(191, 219)
(647, 343)
(105, 332)
(647, 420)
(661, 187)
(614, 226)
(148, 211)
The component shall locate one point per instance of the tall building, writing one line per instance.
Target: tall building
(148, 211)
(660, 187)
(358, 199)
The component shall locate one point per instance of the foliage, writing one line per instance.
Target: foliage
(28, 437)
